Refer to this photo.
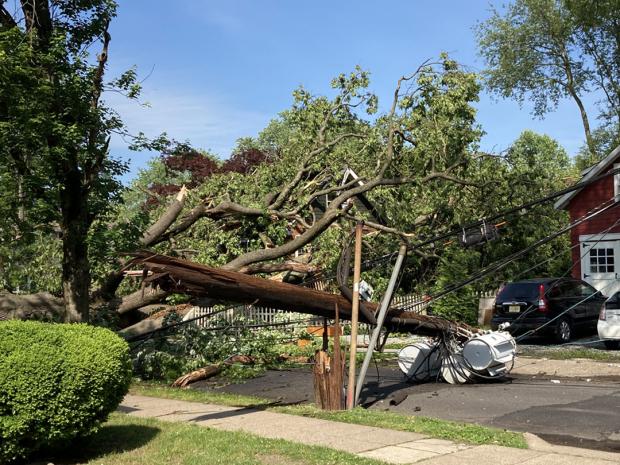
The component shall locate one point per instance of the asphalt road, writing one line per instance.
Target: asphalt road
(569, 412)
(577, 413)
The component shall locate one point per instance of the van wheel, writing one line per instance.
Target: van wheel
(612, 345)
(563, 330)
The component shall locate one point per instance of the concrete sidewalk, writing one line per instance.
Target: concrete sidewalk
(390, 446)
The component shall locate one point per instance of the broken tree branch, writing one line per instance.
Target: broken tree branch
(162, 224)
(176, 275)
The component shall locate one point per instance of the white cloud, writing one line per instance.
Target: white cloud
(207, 122)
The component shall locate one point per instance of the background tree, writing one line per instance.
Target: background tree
(55, 128)
(533, 166)
(546, 50)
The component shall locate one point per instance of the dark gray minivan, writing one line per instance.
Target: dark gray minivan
(556, 305)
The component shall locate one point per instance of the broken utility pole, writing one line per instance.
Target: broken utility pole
(328, 372)
(355, 303)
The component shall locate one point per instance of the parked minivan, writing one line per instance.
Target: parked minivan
(557, 305)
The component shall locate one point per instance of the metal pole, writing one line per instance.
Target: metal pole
(355, 304)
(385, 304)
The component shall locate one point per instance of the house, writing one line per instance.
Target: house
(596, 242)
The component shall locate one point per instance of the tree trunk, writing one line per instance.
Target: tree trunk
(41, 306)
(586, 128)
(570, 87)
(75, 265)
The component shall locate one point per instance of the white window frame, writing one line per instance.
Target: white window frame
(616, 182)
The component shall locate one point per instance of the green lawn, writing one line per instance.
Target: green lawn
(567, 353)
(459, 432)
(127, 440)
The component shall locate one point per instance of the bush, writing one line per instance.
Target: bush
(184, 348)
(57, 382)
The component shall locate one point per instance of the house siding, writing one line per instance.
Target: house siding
(587, 199)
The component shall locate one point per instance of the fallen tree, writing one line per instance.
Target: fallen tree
(418, 146)
(182, 276)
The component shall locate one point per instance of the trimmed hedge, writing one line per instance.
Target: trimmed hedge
(57, 382)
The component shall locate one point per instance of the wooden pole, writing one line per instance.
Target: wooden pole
(357, 265)
(337, 368)
(328, 372)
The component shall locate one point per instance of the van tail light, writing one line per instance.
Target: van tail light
(542, 300)
(603, 314)
(498, 294)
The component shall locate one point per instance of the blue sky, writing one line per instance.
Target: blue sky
(220, 70)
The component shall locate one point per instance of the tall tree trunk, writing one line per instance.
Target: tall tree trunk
(586, 128)
(572, 90)
(75, 265)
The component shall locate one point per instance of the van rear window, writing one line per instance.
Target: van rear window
(519, 291)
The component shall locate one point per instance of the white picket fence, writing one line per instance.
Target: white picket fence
(257, 314)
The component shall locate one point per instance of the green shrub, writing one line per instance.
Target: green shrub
(57, 382)
(184, 348)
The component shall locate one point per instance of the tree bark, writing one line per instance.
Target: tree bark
(151, 236)
(586, 127)
(75, 265)
(570, 87)
(141, 298)
(165, 220)
(41, 306)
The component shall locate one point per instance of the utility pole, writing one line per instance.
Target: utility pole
(385, 304)
(355, 305)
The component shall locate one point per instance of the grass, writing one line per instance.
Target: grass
(458, 432)
(566, 353)
(444, 429)
(128, 440)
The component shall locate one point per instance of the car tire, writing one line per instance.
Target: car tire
(612, 345)
(563, 331)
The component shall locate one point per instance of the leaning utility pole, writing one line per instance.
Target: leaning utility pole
(385, 304)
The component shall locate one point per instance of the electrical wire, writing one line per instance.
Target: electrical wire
(507, 260)
(500, 215)
(532, 307)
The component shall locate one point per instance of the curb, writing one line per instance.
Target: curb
(538, 444)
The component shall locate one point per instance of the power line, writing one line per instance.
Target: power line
(525, 206)
(531, 308)
(504, 262)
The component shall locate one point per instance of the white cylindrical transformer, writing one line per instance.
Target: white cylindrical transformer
(419, 361)
(489, 350)
(454, 370)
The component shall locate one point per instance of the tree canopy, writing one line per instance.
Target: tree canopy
(55, 129)
(545, 50)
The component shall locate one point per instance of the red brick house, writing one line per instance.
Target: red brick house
(596, 242)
